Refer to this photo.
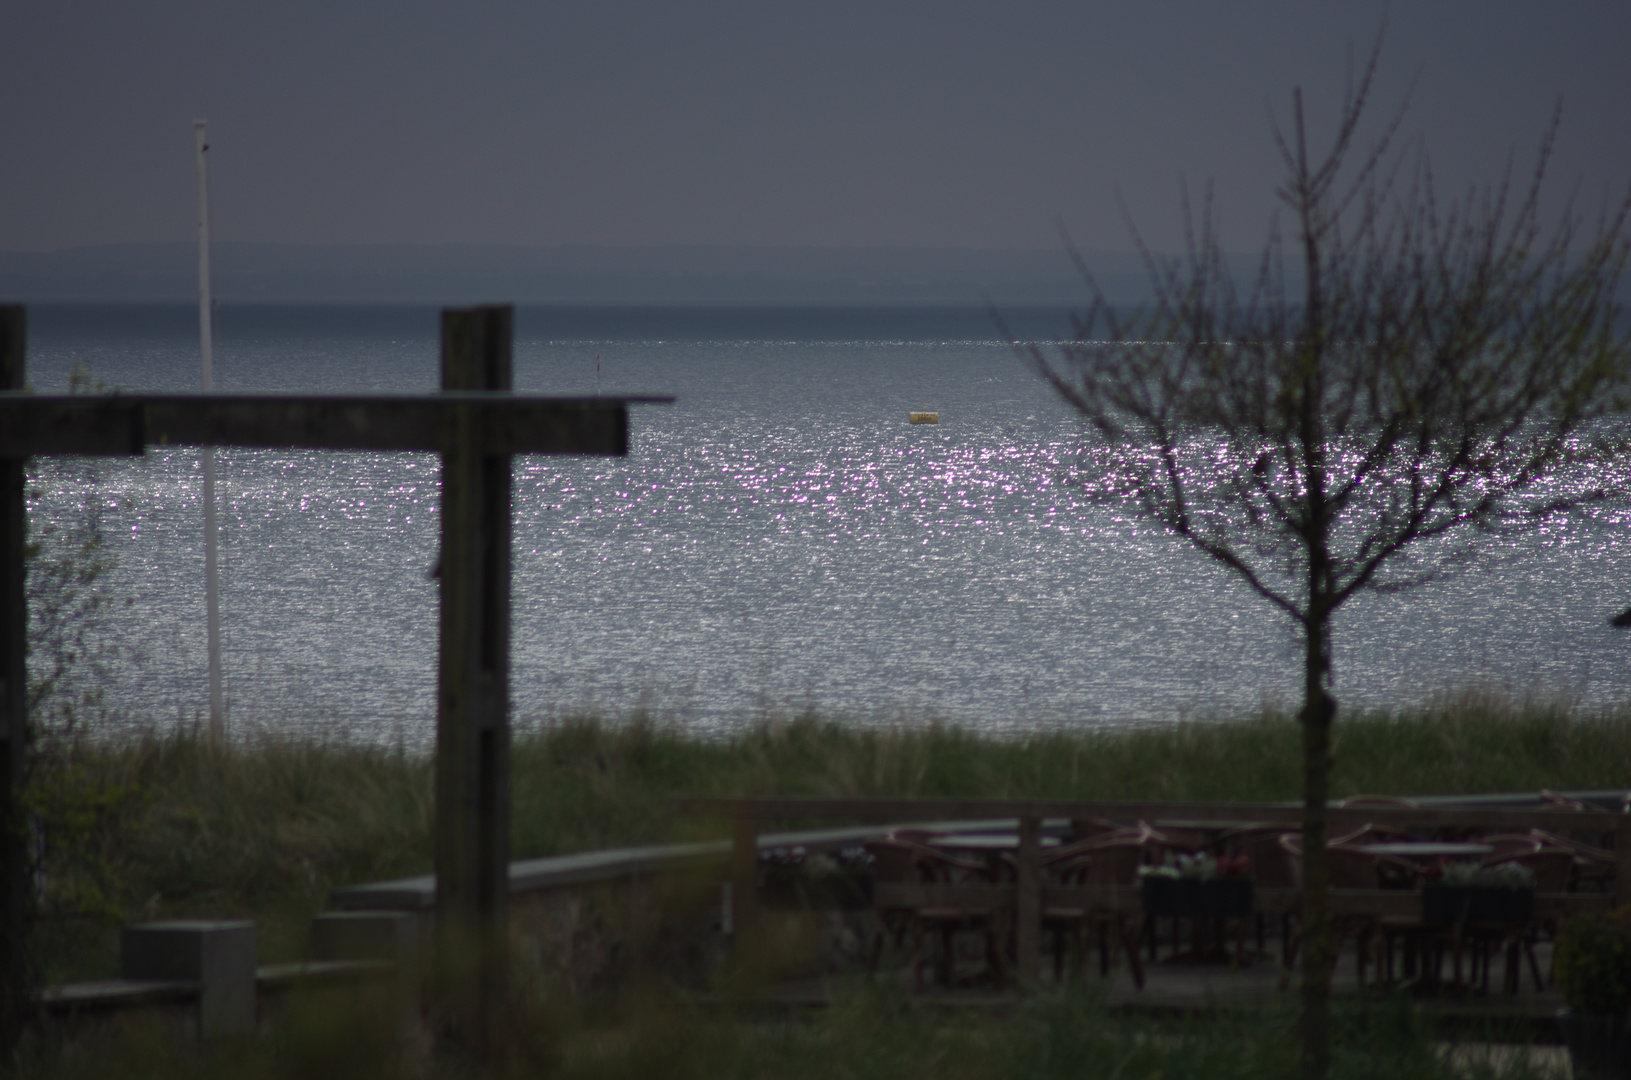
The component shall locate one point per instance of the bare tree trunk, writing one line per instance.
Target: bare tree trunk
(1319, 953)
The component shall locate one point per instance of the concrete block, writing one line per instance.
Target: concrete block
(391, 936)
(219, 955)
(367, 935)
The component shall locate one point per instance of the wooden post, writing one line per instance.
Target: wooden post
(1622, 860)
(744, 880)
(14, 891)
(476, 424)
(1028, 901)
(472, 843)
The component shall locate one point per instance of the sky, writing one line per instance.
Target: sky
(939, 123)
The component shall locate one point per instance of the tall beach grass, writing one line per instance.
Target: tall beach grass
(869, 1033)
(265, 829)
(268, 827)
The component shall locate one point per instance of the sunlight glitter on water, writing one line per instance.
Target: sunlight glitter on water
(782, 538)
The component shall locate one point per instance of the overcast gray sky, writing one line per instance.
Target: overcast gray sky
(764, 122)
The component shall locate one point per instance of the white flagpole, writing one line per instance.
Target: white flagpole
(212, 585)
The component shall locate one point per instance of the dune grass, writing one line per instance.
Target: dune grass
(266, 829)
(870, 1033)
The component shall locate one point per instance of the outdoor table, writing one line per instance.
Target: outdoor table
(1423, 851)
(984, 842)
(1217, 825)
(988, 846)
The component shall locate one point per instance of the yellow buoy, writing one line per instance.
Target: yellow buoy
(923, 418)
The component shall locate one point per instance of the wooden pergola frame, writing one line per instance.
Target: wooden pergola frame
(476, 425)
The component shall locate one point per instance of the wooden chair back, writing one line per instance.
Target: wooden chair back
(896, 862)
(1506, 845)
(1272, 865)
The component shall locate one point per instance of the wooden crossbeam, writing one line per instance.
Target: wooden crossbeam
(124, 424)
(476, 425)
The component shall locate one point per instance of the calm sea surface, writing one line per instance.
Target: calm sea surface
(777, 539)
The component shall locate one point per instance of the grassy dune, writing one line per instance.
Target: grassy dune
(870, 1034)
(162, 826)
(267, 829)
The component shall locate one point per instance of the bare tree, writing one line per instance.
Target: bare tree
(1426, 375)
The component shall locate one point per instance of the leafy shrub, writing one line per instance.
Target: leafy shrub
(1594, 963)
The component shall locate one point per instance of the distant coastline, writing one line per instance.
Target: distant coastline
(462, 273)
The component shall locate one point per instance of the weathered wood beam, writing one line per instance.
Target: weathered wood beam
(504, 423)
(744, 885)
(472, 828)
(14, 893)
(477, 425)
(1028, 900)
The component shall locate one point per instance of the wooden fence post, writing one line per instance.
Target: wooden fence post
(1622, 860)
(13, 699)
(1028, 901)
(14, 891)
(744, 880)
(472, 842)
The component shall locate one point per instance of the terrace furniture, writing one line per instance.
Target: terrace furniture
(1553, 869)
(1504, 844)
(1099, 870)
(1150, 844)
(1352, 867)
(1029, 893)
(990, 846)
(1593, 866)
(901, 862)
(1274, 870)
(1086, 828)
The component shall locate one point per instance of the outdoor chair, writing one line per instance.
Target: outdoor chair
(1155, 844)
(1506, 844)
(1106, 867)
(1088, 828)
(1351, 868)
(900, 862)
(1554, 871)
(1272, 868)
(1593, 865)
(1368, 833)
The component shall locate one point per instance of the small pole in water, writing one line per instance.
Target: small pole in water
(212, 586)
(597, 374)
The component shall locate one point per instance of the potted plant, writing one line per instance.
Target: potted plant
(1467, 892)
(1198, 886)
(795, 879)
(1594, 972)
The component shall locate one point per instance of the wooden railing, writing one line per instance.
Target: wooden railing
(1029, 894)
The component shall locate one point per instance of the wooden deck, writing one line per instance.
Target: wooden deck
(1177, 988)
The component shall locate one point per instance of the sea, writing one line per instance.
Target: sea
(778, 541)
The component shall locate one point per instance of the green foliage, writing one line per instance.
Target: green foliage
(583, 783)
(71, 641)
(165, 826)
(870, 1033)
(1594, 963)
(83, 822)
(77, 819)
